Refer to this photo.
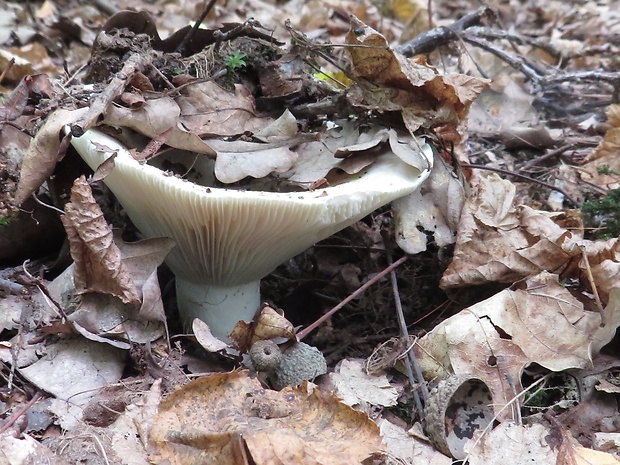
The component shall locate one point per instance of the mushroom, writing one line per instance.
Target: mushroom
(227, 240)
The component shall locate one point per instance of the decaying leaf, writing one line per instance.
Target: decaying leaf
(500, 241)
(74, 369)
(269, 324)
(360, 390)
(154, 118)
(536, 321)
(295, 426)
(410, 447)
(26, 449)
(209, 110)
(492, 247)
(237, 160)
(506, 443)
(205, 338)
(605, 155)
(98, 265)
(43, 153)
(424, 97)
(104, 318)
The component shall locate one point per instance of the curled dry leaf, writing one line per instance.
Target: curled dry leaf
(104, 318)
(423, 96)
(205, 338)
(269, 324)
(237, 160)
(43, 153)
(536, 321)
(436, 208)
(295, 426)
(154, 118)
(98, 265)
(606, 154)
(493, 244)
(500, 241)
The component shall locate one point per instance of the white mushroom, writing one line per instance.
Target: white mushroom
(227, 240)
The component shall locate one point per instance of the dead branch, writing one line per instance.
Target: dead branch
(137, 62)
(431, 40)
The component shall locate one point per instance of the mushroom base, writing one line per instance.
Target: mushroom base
(219, 307)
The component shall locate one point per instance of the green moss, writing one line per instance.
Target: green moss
(606, 212)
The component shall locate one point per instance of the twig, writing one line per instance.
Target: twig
(304, 332)
(136, 62)
(181, 47)
(553, 153)
(611, 77)
(106, 7)
(430, 40)
(592, 281)
(518, 63)
(417, 381)
(524, 177)
(46, 294)
(51, 207)
(19, 413)
(7, 69)
(489, 33)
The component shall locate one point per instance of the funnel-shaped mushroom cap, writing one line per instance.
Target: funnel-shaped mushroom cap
(226, 239)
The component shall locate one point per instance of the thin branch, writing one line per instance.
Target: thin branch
(137, 62)
(554, 153)
(518, 63)
(431, 40)
(417, 381)
(304, 332)
(181, 47)
(20, 413)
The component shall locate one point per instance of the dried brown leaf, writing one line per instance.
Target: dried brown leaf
(154, 118)
(295, 426)
(209, 110)
(605, 155)
(43, 153)
(536, 321)
(269, 324)
(104, 318)
(603, 261)
(498, 242)
(98, 265)
(424, 97)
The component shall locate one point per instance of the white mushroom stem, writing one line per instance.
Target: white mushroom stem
(218, 306)
(227, 240)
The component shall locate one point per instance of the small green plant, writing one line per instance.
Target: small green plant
(606, 170)
(5, 221)
(605, 211)
(236, 61)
